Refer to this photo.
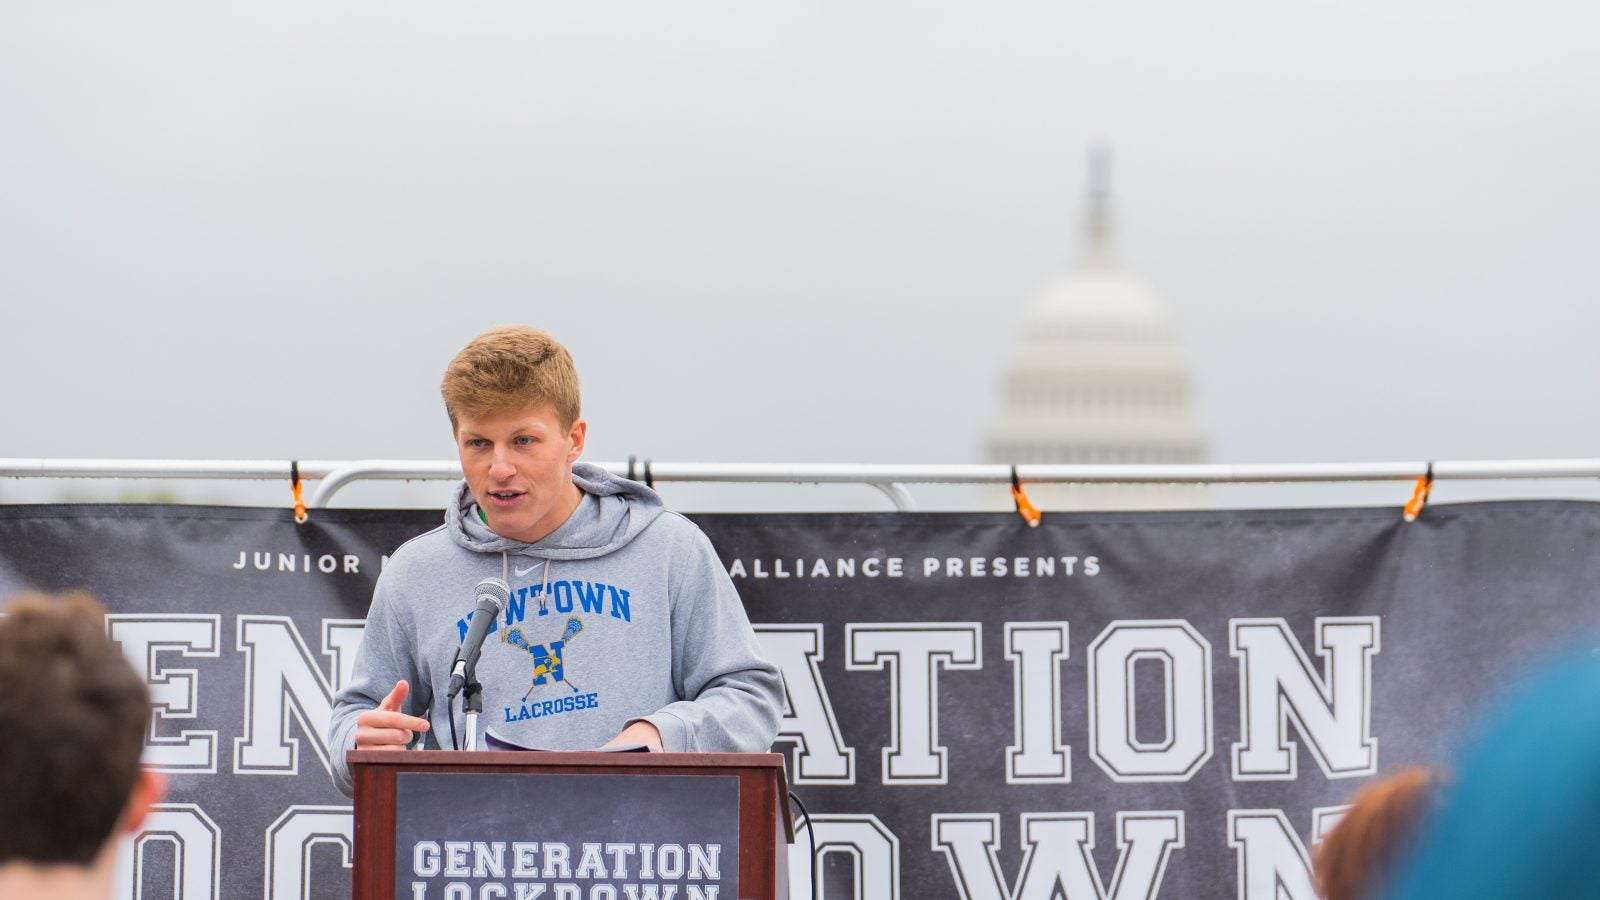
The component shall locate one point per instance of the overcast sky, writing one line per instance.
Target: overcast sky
(790, 233)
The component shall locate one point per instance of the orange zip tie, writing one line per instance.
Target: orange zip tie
(1419, 495)
(298, 489)
(1025, 507)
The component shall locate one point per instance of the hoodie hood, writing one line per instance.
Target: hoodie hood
(613, 512)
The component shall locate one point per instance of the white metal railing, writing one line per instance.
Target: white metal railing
(890, 478)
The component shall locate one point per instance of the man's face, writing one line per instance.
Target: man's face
(518, 464)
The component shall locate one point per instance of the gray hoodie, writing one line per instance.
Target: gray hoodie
(621, 614)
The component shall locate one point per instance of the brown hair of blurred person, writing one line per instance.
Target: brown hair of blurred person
(1354, 859)
(73, 717)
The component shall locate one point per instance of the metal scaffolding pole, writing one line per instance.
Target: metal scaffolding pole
(890, 478)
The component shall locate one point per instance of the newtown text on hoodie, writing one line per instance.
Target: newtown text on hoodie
(623, 613)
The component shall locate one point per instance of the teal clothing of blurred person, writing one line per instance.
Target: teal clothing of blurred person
(1522, 818)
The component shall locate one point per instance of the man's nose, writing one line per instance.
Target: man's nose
(501, 468)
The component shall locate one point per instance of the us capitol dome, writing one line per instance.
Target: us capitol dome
(1098, 378)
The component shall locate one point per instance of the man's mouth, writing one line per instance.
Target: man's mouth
(505, 496)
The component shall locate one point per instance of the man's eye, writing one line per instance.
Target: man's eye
(525, 441)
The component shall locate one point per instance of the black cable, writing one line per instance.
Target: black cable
(450, 713)
(811, 838)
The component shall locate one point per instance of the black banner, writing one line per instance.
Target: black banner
(1118, 705)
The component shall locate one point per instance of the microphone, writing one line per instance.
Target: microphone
(492, 597)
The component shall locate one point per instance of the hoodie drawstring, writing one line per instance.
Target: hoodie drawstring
(544, 588)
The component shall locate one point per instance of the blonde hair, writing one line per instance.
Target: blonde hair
(513, 367)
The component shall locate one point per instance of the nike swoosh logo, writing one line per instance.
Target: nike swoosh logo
(522, 572)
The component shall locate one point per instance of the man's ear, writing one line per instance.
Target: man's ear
(580, 430)
(148, 789)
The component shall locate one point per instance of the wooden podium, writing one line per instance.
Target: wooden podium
(427, 821)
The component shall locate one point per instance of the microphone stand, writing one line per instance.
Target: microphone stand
(472, 702)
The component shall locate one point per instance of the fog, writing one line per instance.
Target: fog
(803, 233)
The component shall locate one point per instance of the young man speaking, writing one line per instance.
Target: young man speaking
(622, 626)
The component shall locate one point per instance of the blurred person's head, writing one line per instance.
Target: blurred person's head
(73, 717)
(1355, 859)
(1521, 817)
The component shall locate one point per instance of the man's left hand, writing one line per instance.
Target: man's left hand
(638, 733)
